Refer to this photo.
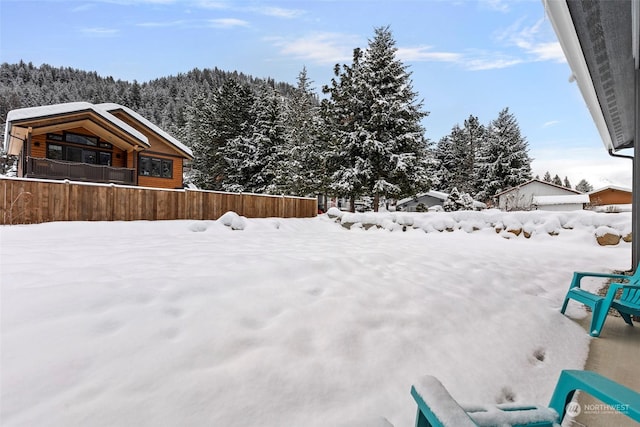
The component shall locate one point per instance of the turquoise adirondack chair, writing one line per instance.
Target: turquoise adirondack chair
(627, 304)
(436, 407)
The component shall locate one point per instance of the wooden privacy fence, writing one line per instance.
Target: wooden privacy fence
(25, 201)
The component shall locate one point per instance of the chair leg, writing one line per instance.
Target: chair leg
(564, 305)
(597, 319)
(626, 317)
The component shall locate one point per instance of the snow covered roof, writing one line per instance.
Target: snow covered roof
(110, 107)
(24, 114)
(611, 187)
(536, 180)
(435, 194)
(561, 200)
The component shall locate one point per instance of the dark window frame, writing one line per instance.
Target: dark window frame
(81, 152)
(155, 167)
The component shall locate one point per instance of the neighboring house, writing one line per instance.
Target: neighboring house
(431, 200)
(573, 202)
(428, 200)
(610, 195)
(96, 143)
(524, 195)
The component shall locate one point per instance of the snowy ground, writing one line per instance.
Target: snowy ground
(287, 322)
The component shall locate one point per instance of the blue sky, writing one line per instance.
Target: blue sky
(466, 57)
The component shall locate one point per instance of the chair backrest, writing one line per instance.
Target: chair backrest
(635, 277)
(631, 296)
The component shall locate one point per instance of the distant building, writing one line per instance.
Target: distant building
(610, 195)
(431, 200)
(424, 200)
(537, 194)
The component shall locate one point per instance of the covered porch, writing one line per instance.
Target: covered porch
(61, 169)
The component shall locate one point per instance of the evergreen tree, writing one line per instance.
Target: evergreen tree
(465, 144)
(503, 161)
(253, 159)
(584, 186)
(547, 177)
(458, 201)
(211, 124)
(447, 163)
(557, 181)
(392, 135)
(345, 163)
(567, 184)
(381, 138)
(302, 171)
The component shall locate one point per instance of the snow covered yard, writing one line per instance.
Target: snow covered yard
(288, 322)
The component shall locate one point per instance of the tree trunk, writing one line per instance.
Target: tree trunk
(352, 204)
(376, 202)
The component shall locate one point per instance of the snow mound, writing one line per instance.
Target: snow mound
(233, 221)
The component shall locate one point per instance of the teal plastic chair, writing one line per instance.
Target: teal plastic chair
(627, 304)
(437, 408)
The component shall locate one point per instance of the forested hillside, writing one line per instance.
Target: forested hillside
(163, 101)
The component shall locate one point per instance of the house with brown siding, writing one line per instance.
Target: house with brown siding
(106, 143)
(610, 195)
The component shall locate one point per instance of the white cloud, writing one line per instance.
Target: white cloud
(491, 63)
(424, 53)
(533, 40)
(550, 123)
(498, 5)
(470, 60)
(320, 48)
(162, 24)
(280, 12)
(228, 23)
(99, 31)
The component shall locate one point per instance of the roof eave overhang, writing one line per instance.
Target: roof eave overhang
(600, 42)
(562, 23)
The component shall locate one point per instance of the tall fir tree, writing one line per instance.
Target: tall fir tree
(505, 161)
(254, 158)
(556, 180)
(338, 111)
(211, 125)
(302, 169)
(388, 154)
(446, 163)
(567, 183)
(458, 155)
(547, 177)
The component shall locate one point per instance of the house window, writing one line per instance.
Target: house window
(154, 166)
(70, 153)
(54, 151)
(81, 139)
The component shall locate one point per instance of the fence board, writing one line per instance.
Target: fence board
(25, 201)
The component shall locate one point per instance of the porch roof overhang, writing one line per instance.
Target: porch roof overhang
(173, 142)
(600, 40)
(55, 118)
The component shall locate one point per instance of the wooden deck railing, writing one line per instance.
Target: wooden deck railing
(26, 201)
(59, 169)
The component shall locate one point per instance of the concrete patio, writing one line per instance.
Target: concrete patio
(614, 354)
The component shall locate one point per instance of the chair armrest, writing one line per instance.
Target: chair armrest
(578, 275)
(436, 407)
(619, 397)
